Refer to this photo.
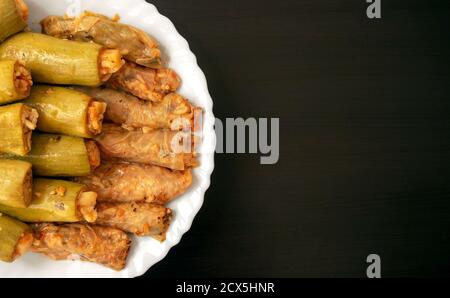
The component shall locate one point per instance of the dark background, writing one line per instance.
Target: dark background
(365, 164)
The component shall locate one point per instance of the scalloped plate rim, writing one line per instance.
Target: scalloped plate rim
(84, 269)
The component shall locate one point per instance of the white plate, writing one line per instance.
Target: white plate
(145, 251)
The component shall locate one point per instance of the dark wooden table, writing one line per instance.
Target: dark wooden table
(364, 111)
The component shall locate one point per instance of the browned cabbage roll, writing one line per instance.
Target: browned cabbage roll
(160, 147)
(145, 83)
(141, 219)
(102, 245)
(123, 182)
(174, 112)
(134, 44)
